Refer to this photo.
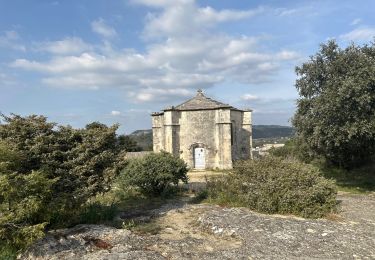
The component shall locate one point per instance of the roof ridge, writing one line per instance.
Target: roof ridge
(185, 102)
(200, 101)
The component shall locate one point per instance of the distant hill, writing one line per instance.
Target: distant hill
(144, 137)
(141, 132)
(272, 131)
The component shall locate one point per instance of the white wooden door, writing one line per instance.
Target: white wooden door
(199, 158)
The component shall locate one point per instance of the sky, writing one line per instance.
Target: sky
(116, 61)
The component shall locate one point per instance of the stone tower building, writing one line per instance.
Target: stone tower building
(205, 133)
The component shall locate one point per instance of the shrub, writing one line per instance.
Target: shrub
(85, 161)
(48, 172)
(272, 185)
(154, 173)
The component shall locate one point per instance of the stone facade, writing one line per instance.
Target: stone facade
(207, 134)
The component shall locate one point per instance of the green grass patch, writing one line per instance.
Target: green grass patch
(142, 228)
(359, 181)
(199, 197)
(104, 208)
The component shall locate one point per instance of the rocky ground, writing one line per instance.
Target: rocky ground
(200, 231)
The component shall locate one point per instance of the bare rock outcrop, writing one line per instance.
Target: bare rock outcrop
(212, 232)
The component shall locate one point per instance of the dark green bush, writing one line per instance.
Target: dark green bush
(154, 173)
(24, 202)
(272, 185)
(95, 213)
(49, 172)
(84, 161)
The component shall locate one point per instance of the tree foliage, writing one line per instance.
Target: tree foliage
(154, 173)
(23, 201)
(336, 110)
(129, 143)
(295, 148)
(48, 171)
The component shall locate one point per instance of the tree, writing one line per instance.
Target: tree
(25, 200)
(59, 168)
(336, 110)
(128, 143)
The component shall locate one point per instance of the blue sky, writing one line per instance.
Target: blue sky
(118, 61)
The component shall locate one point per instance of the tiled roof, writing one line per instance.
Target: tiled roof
(200, 102)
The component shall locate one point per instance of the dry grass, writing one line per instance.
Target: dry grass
(334, 217)
(201, 176)
(357, 181)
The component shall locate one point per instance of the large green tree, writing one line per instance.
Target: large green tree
(25, 201)
(48, 171)
(336, 109)
(129, 144)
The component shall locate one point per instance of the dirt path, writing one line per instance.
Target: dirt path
(181, 236)
(188, 231)
(211, 232)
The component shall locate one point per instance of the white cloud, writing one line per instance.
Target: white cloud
(68, 45)
(6, 80)
(360, 34)
(12, 35)
(161, 3)
(286, 12)
(287, 55)
(115, 113)
(200, 64)
(185, 18)
(356, 21)
(102, 28)
(10, 40)
(210, 15)
(249, 97)
(192, 55)
(151, 94)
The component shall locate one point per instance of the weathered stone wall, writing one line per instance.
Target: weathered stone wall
(247, 135)
(223, 139)
(158, 132)
(241, 144)
(224, 133)
(236, 120)
(197, 129)
(172, 131)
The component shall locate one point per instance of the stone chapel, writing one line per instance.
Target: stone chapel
(205, 133)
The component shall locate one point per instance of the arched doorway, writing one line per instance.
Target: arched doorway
(199, 158)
